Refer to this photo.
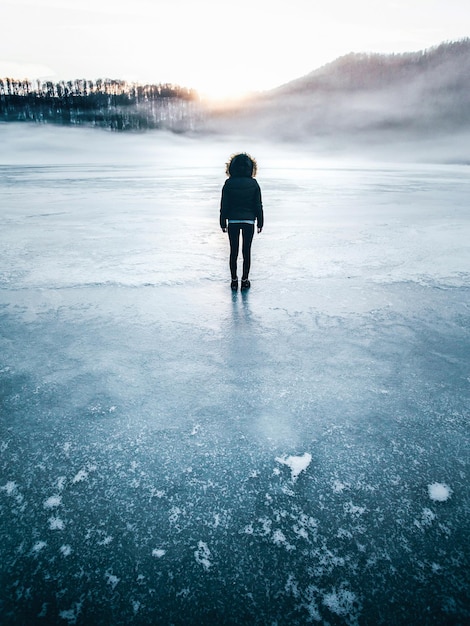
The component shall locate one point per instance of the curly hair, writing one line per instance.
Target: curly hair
(241, 164)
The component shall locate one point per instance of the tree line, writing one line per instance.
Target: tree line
(446, 64)
(105, 103)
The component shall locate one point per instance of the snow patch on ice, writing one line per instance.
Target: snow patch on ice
(339, 486)
(291, 586)
(217, 520)
(38, 546)
(266, 524)
(353, 509)
(111, 579)
(297, 464)
(105, 541)
(439, 492)
(55, 523)
(341, 602)
(80, 476)
(311, 604)
(174, 515)
(10, 488)
(305, 526)
(203, 555)
(52, 502)
(343, 533)
(300, 532)
(280, 539)
(158, 553)
(71, 615)
(427, 518)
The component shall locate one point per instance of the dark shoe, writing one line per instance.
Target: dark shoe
(245, 284)
(234, 285)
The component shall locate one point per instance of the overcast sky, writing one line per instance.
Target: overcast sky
(220, 48)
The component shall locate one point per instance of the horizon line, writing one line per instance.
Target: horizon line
(243, 93)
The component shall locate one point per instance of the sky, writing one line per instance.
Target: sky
(222, 49)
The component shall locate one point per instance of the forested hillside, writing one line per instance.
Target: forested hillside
(415, 93)
(420, 94)
(112, 104)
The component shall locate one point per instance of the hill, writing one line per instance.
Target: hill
(418, 94)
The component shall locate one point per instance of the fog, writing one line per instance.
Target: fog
(175, 453)
(387, 126)
(400, 108)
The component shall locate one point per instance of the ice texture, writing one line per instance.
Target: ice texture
(175, 453)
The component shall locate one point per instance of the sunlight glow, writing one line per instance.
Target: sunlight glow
(221, 52)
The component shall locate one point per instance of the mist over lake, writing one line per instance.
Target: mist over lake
(174, 453)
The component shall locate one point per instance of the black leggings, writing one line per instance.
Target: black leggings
(248, 230)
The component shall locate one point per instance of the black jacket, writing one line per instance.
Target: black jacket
(241, 200)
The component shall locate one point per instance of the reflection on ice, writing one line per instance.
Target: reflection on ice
(174, 453)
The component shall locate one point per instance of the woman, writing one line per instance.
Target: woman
(240, 208)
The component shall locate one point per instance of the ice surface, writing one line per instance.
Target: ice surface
(171, 452)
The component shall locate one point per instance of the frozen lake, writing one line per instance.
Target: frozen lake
(173, 453)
